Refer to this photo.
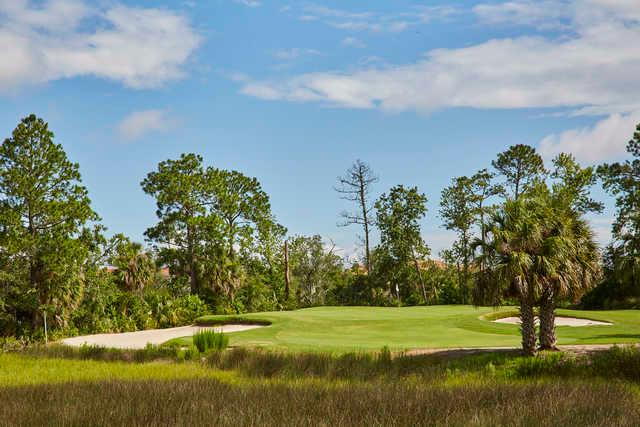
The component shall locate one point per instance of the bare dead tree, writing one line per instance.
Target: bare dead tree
(355, 186)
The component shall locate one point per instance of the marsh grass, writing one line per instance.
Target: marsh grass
(207, 340)
(87, 352)
(622, 363)
(247, 387)
(209, 402)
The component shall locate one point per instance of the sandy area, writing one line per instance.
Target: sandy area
(138, 340)
(560, 321)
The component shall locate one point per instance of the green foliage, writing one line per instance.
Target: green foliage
(538, 247)
(315, 270)
(135, 268)
(445, 279)
(208, 339)
(397, 258)
(357, 290)
(522, 169)
(45, 240)
(622, 180)
(213, 223)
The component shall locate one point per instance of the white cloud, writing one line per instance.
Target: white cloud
(353, 42)
(141, 123)
(372, 21)
(249, 3)
(137, 47)
(594, 65)
(544, 14)
(606, 140)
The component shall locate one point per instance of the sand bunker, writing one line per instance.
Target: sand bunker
(560, 321)
(140, 339)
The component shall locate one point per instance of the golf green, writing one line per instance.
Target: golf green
(340, 329)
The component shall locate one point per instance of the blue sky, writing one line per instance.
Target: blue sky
(293, 92)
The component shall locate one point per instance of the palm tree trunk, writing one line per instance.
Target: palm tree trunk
(528, 327)
(548, 339)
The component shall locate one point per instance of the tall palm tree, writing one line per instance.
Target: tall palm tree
(572, 263)
(540, 250)
(515, 234)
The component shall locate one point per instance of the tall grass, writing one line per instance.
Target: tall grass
(208, 339)
(266, 388)
(209, 402)
(622, 363)
(91, 352)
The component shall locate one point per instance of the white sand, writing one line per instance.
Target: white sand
(138, 340)
(560, 321)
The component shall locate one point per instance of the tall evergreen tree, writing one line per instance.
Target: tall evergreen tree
(44, 212)
(457, 209)
(210, 221)
(521, 167)
(180, 192)
(622, 180)
(398, 216)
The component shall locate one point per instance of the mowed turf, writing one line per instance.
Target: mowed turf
(343, 329)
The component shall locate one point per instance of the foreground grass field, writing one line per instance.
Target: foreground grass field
(242, 387)
(343, 329)
(284, 383)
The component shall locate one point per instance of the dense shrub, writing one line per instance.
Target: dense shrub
(357, 290)
(106, 308)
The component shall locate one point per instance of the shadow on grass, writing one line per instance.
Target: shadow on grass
(614, 336)
(230, 320)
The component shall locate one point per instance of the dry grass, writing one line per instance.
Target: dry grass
(209, 402)
(242, 387)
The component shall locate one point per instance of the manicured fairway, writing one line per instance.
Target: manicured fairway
(342, 329)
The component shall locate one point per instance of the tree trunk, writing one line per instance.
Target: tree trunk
(548, 339)
(193, 277)
(365, 218)
(528, 327)
(465, 267)
(287, 274)
(419, 273)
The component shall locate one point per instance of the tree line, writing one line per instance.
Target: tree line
(217, 247)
